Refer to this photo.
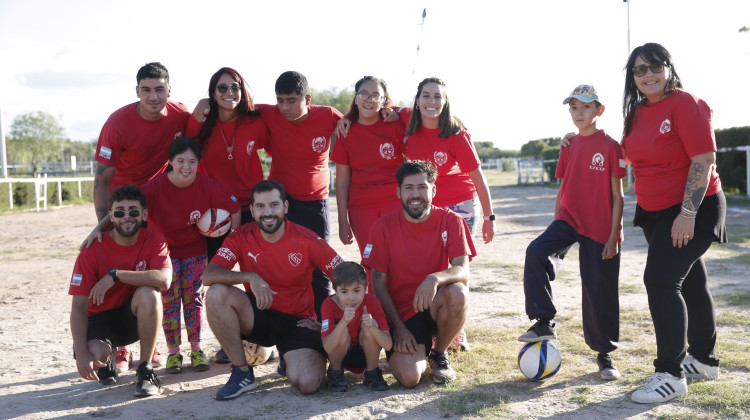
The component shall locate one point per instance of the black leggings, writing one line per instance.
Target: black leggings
(676, 281)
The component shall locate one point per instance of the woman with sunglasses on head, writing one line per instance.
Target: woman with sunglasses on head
(176, 200)
(366, 163)
(681, 208)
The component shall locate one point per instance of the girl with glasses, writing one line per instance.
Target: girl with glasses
(681, 208)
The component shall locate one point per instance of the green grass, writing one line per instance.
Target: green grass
(738, 234)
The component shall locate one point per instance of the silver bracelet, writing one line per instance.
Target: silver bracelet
(688, 211)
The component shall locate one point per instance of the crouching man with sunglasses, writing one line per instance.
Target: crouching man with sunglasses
(116, 287)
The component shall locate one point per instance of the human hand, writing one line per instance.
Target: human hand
(403, 341)
(683, 229)
(100, 289)
(349, 312)
(342, 127)
(201, 110)
(309, 323)
(367, 320)
(87, 366)
(425, 294)
(388, 114)
(345, 232)
(488, 231)
(565, 142)
(610, 249)
(263, 293)
(95, 234)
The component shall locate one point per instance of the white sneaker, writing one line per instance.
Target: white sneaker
(697, 370)
(660, 387)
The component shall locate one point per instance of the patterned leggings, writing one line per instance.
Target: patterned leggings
(186, 288)
(469, 211)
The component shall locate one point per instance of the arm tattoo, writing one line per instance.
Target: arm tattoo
(697, 183)
(377, 275)
(101, 167)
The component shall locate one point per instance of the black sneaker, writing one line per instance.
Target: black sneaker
(281, 368)
(107, 374)
(607, 369)
(374, 380)
(442, 372)
(336, 381)
(148, 383)
(239, 382)
(541, 330)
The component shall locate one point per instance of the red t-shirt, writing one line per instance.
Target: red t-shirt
(454, 157)
(300, 150)
(331, 314)
(663, 138)
(286, 265)
(173, 211)
(93, 263)
(138, 148)
(586, 167)
(374, 153)
(240, 174)
(408, 252)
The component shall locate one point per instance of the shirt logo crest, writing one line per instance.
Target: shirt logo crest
(319, 144)
(194, 216)
(141, 266)
(444, 235)
(295, 258)
(387, 151)
(666, 126)
(440, 158)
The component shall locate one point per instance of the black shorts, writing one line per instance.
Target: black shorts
(423, 328)
(355, 360)
(277, 328)
(118, 325)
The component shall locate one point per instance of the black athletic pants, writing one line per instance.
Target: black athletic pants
(599, 281)
(676, 281)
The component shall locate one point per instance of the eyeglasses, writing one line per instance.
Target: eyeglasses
(364, 96)
(641, 70)
(222, 88)
(121, 213)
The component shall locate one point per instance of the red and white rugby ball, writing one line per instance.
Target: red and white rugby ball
(214, 223)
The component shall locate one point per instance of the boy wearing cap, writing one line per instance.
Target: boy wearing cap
(588, 210)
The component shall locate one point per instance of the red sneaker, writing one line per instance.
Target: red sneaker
(123, 360)
(157, 360)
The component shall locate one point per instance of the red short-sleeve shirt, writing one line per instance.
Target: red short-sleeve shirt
(331, 313)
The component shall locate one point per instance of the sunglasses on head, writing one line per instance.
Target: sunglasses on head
(641, 70)
(222, 88)
(121, 213)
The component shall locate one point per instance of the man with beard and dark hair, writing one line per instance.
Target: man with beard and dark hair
(276, 259)
(424, 294)
(116, 287)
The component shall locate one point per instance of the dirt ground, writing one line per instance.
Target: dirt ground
(38, 378)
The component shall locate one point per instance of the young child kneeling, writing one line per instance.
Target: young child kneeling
(354, 329)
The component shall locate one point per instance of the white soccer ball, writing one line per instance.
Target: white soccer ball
(214, 223)
(540, 360)
(256, 355)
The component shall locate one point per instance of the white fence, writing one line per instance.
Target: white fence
(40, 188)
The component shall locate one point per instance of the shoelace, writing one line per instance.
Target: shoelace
(655, 381)
(150, 376)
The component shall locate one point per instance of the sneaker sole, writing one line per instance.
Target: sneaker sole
(536, 339)
(147, 393)
(660, 400)
(200, 368)
(174, 371)
(610, 376)
(242, 390)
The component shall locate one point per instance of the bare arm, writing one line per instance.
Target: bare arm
(102, 182)
(343, 181)
(160, 279)
(483, 192)
(79, 324)
(458, 272)
(699, 174)
(558, 204)
(382, 337)
(338, 337)
(610, 248)
(216, 274)
(404, 341)
(236, 219)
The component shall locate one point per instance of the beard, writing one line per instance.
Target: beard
(273, 228)
(415, 213)
(128, 233)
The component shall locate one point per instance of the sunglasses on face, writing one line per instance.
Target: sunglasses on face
(641, 70)
(121, 213)
(222, 88)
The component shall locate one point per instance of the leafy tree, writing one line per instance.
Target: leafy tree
(337, 98)
(36, 137)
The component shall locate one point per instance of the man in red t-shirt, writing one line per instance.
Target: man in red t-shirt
(116, 300)
(425, 294)
(134, 142)
(276, 258)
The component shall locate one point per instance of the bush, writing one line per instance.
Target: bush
(732, 166)
(23, 193)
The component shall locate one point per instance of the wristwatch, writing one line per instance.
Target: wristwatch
(113, 274)
(490, 218)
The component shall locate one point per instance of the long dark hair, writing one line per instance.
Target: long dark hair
(353, 114)
(245, 108)
(181, 145)
(449, 125)
(651, 53)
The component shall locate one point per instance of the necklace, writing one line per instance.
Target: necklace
(230, 147)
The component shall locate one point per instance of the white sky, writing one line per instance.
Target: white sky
(508, 64)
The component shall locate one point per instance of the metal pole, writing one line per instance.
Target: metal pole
(3, 148)
(630, 167)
